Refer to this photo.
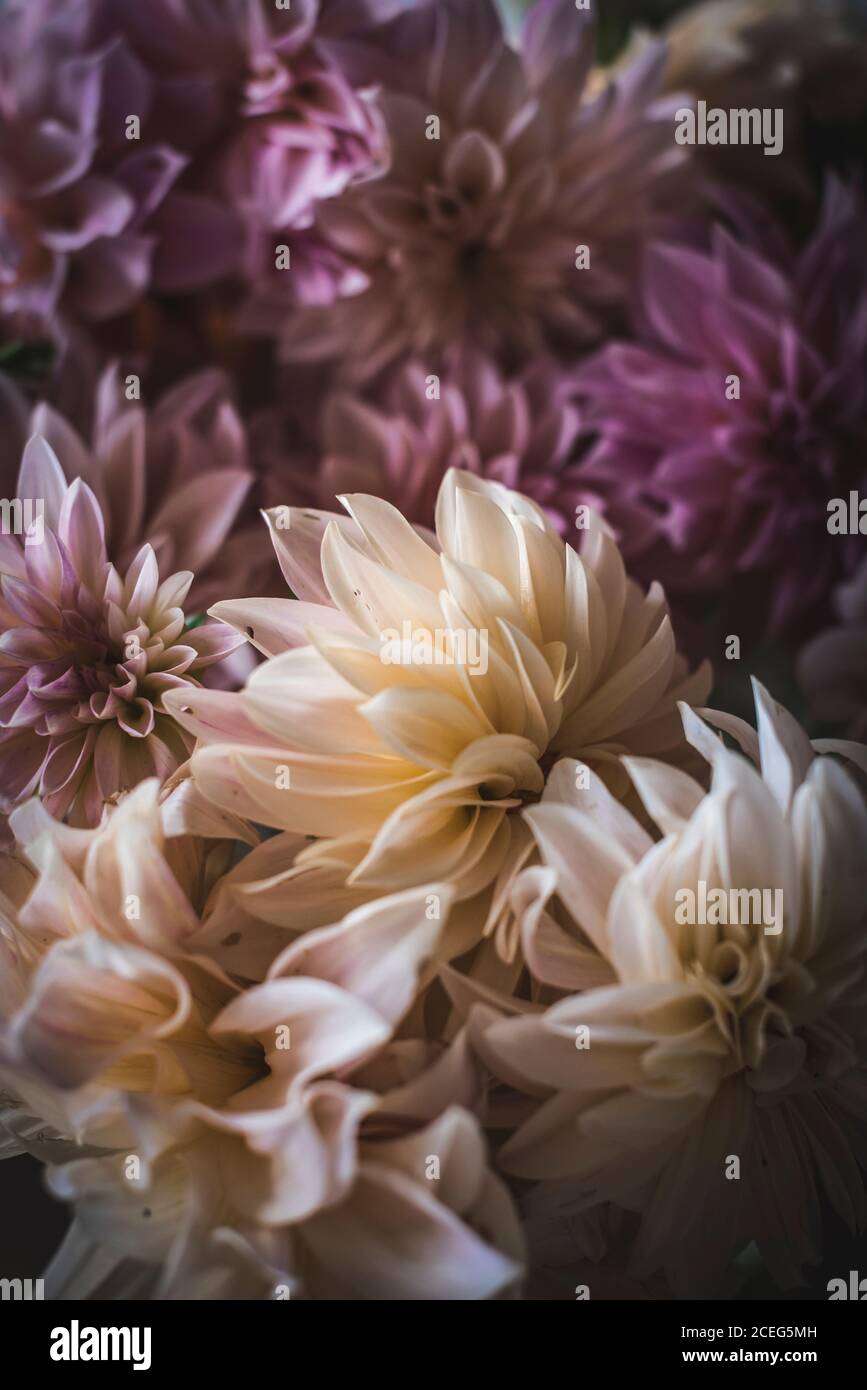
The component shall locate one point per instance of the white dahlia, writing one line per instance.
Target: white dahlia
(702, 1063)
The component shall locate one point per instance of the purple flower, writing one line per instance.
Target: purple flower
(740, 413)
(500, 173)
(150, 147)
(286, 124)
(87, 652)
(77, 197)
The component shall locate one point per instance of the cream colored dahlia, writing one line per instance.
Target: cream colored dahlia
(292, 1202)
(417, 692)
(702, 1064)
(219, 1141)
(104, 992)
(307, 1182)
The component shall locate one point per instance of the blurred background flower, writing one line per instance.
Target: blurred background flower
(737, 415)
(497, 169)
(399, 441)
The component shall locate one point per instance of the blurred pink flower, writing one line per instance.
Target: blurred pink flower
(498, 172)
(287, 125)
(103, 991)
(87, 652)
(294, 1201)
(399, 442)
(267, 1158)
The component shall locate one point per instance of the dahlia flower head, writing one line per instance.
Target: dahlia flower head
(416, 693)
(176, 475)
(499, 173)
(399, 441)
(87, 651)
(148, 148)
(266, 1164)
(104, 993)
(739, 414)
(701, 1067)
(285, 122)
(80, 201)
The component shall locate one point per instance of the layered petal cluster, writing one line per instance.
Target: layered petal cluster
(416, 694)
(77, 196)
(499, 173)
(738, 416)
(214, 1138)
(151, 148)
(175, 476)
(279, 124)
(292, 1203)
(87, 651)
(702, 1064)
(104, 992)
(399, 442)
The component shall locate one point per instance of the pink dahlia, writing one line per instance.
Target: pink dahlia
(400, 442)
(740, 414)
(500, 174)
(175, 476)
(287, 124)
(87, 651)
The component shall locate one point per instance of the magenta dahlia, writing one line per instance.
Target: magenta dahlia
(87, 651)
(738, 418)
(511, 209)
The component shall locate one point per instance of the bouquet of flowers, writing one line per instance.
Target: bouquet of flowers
(433, 643)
